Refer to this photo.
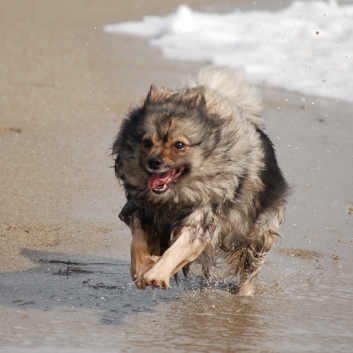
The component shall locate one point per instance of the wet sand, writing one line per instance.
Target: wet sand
(64, 254)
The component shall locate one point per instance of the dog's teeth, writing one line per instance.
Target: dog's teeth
(161, 187)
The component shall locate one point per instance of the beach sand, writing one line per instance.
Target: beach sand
(65, 85)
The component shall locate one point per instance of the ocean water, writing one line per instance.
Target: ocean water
(307, 47)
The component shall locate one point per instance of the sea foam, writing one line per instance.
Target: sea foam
(307, 47)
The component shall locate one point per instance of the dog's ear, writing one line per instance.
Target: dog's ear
(157, 94)
(152, 95)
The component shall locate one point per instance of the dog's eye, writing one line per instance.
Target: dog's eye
(179, 146)
(147, 143)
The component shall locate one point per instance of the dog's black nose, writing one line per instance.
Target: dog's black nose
(155, 162)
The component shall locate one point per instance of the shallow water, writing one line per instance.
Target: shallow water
(301, 305)
(92, 283)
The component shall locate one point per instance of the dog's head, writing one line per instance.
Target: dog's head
(163, 145)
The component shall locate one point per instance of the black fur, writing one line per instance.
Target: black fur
(276, 187)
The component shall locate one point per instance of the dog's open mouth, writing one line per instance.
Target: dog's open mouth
(159, 183)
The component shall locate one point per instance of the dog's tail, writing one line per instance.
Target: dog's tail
(232, 85)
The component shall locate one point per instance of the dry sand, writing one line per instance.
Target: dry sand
(65, 85)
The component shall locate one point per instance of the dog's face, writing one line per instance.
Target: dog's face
(172, 138)
(165, 158)
(171, 146)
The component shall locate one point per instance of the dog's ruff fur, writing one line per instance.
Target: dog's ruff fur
(201, 181)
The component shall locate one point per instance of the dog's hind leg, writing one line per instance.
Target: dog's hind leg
(265, 236)
(184, 250)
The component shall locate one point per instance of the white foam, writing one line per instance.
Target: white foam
(307, 47)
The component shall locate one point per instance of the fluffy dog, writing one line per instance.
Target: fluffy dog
(201, 181)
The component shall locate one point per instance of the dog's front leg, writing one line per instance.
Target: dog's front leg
(183, 251)
(140, 255)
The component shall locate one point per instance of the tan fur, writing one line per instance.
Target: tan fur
(139, 251)
(183, 251)
(169, 154)
(142, 258)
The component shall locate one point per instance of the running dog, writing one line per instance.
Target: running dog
(201, 181)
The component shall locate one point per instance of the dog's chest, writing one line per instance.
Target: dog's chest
(164, 220)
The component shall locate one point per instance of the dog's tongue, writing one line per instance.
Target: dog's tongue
(157, 179)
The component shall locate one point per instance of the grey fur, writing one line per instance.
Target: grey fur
(233, 194)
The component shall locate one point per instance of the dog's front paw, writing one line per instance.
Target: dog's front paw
(156, 277)
(146, 265)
